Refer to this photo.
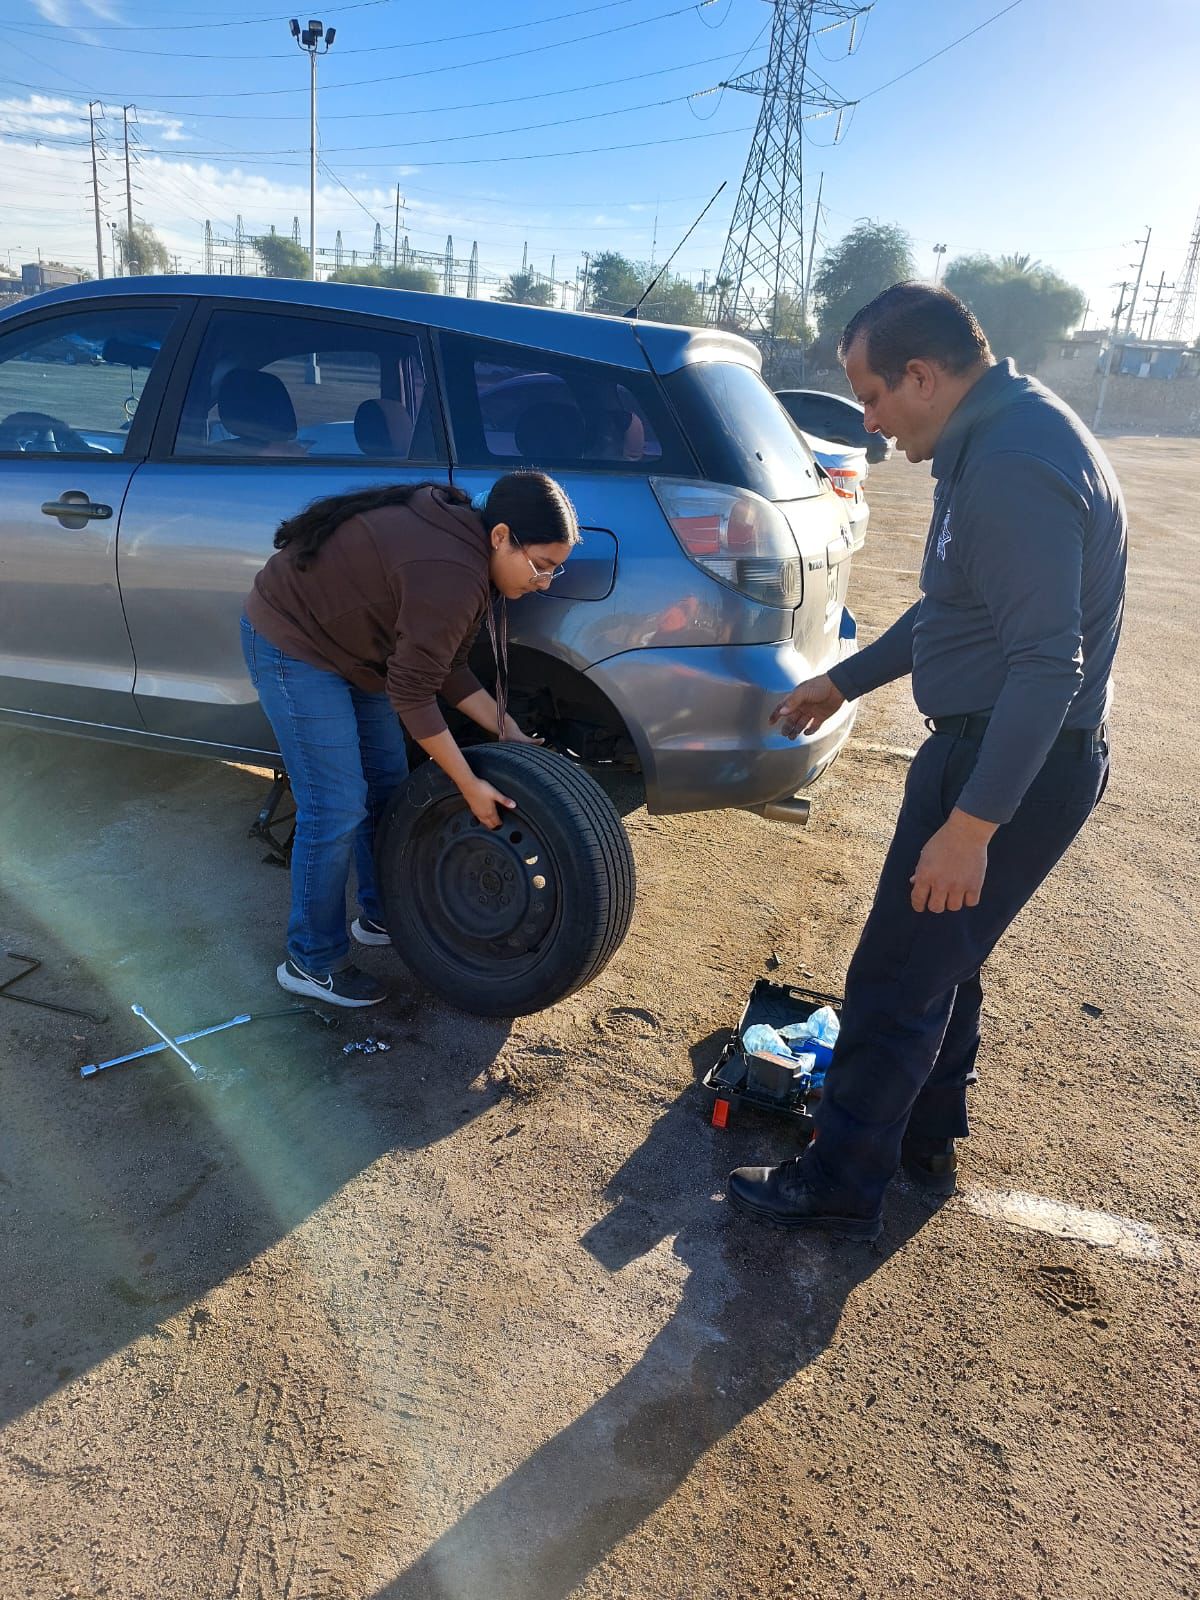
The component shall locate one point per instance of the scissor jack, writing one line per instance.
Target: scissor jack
(275, 830)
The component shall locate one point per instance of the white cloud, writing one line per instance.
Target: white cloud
(56, 11)
(48, 201)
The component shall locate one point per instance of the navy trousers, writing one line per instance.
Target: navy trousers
(910, 1027)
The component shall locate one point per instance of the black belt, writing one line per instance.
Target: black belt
(974, 724)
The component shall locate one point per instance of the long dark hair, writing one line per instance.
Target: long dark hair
(535, 507)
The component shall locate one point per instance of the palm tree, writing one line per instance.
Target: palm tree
(1020, 265)
(523, 289)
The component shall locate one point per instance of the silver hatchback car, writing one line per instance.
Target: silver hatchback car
(139, 495)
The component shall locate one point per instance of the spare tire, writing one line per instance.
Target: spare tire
(502, 922)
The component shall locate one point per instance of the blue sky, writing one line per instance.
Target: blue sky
(1061, 128)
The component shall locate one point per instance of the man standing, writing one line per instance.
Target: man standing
(1010, 649)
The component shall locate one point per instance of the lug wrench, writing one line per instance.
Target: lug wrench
(199, 1033)
(196, 1068)
(153, 1049)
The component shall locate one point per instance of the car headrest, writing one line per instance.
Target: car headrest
(383, 428)
(547, 432)
(255, 406)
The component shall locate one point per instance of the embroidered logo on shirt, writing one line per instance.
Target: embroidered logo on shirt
(944, 537)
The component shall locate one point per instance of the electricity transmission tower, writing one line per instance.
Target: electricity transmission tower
(763, 262)
(1183, 310)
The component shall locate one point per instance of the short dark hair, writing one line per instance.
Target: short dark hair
(916, 322)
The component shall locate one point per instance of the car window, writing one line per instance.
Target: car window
(513, 406)
(70, 384)
(740, 432)
(267, 385)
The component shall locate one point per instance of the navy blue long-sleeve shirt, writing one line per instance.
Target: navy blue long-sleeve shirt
(1023, 586)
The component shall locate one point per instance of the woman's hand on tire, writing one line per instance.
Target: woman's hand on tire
(486, 802)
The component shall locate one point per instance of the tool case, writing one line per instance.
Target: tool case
(739, 1079)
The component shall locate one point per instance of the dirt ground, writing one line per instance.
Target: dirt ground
(472, 1321)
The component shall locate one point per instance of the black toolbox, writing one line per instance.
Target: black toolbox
(739, 1079)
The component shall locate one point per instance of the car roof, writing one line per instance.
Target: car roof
(620, 341)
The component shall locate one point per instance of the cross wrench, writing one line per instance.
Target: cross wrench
(197, 1069)
(153, 1049)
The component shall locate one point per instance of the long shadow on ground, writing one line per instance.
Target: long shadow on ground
(127, 1196)
(758, 1307)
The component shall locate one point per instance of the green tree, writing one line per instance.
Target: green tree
(142, 250)
(614, 283)
(418, 279)
(1020, 304)
(870, 258)
(525, 289)
(671, 300)
(788, 320)
(282, 257)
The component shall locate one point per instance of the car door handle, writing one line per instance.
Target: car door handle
(74, 509)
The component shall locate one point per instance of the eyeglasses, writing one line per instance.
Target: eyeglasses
(538, 573)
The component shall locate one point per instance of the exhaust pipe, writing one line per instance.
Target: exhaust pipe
(792, 809)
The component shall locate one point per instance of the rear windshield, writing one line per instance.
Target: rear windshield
(740, 432)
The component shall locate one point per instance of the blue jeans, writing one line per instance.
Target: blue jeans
(910, 1025)
(344, 753)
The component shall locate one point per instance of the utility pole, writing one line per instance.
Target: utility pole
(131, 258)
(812, 250)
(310, 39)
(1158, 294)
(396, 233)
(587, 262)
(1145, 244)
(763, 259)
(939, 251)
(92, 104)
(1183, 306)
(1108, 360)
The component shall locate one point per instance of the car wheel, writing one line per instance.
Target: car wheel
(503, 922)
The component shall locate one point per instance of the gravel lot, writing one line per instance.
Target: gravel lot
(471, 1320)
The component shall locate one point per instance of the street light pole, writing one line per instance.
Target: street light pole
(310, 39)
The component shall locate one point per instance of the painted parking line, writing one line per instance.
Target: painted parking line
(1137, 1241)
(899, 750)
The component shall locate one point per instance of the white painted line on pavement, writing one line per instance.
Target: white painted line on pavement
(1124, 1237)
(881, 749)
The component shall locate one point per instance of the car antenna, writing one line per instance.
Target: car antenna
(633, 310)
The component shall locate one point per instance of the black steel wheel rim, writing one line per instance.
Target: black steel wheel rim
(487, 899)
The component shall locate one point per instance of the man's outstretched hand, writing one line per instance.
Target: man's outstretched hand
(809, 705)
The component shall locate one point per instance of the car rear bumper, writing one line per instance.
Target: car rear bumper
(698, 718)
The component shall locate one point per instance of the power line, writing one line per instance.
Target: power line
(467, 105)
(421, 72)
(908, 72)
(191, 27)
(362, 50)
(457, 138)
(539, 155)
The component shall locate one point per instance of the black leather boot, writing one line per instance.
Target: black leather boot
(785, 1196)
(930, 1163)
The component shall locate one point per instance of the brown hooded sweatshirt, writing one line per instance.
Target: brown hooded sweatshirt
(393, 600)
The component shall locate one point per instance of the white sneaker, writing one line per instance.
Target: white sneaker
(349, 987)
(368, 932)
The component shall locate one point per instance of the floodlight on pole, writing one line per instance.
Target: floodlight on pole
(310, 40)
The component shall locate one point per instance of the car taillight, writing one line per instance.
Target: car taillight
(844, 480)
(737, 536)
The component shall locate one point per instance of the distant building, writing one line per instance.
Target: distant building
(1087, 351)
(39, 275)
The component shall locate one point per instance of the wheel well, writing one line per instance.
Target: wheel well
(553, 699)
